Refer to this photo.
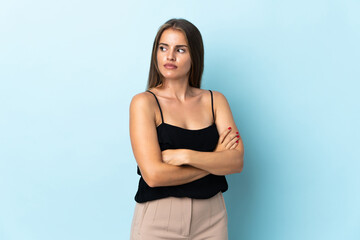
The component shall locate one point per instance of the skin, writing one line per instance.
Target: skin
(186, 107)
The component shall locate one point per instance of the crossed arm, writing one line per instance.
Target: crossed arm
(180, 166)
(218, 163)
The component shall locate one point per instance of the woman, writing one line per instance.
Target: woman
(174, 129)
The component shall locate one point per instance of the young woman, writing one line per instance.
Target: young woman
(181, 157)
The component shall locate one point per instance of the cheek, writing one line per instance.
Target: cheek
(188, 64)
(160, 56)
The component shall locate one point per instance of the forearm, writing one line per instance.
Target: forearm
(171, 175)
(218, 163)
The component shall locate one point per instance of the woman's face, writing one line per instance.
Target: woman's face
(173, 50)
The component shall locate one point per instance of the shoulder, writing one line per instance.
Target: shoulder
(141, 109)
(142, 100)
(219, 98)
(218, 94)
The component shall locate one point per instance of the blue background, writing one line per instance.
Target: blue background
(68, 71)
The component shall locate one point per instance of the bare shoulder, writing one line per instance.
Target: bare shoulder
(219, 99)
(142, 101)
(141, 106)
(217, 93)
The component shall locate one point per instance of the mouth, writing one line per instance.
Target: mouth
(170, 66)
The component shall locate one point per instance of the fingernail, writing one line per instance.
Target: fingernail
(237, 132)
(237, 136)
(237, 141)
(229, 128)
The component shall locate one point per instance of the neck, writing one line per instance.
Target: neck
(177, 89)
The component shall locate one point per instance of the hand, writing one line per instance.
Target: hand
(227, 140)
(174, 156)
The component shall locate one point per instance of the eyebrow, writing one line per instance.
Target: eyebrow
(175, 46)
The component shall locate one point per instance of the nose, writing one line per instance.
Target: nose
(171, 55)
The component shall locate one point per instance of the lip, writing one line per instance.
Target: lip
(170, 66)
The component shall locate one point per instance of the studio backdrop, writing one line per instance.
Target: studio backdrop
(69, 69)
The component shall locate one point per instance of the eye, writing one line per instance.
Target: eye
(161, 47)
(181, 49)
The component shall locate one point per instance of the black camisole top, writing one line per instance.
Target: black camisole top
(174, 137)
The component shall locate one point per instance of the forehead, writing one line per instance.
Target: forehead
(173, 37)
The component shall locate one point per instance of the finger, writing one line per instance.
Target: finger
(230, 138)
(234, 145)
(232, 141)
(224, 134)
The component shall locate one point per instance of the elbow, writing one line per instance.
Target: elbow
(150, 180)
(152, 175)
(241, 167)
(152, 184)
(153, 179)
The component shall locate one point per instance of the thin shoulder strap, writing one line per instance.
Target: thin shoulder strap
(158, 105)
(212, 105)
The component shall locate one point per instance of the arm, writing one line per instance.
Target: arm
(220, 162)
(170, 175)
(146, 149)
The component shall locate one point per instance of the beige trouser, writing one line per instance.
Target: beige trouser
(180, 218)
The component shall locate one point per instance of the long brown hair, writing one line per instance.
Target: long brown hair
(196, 48)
